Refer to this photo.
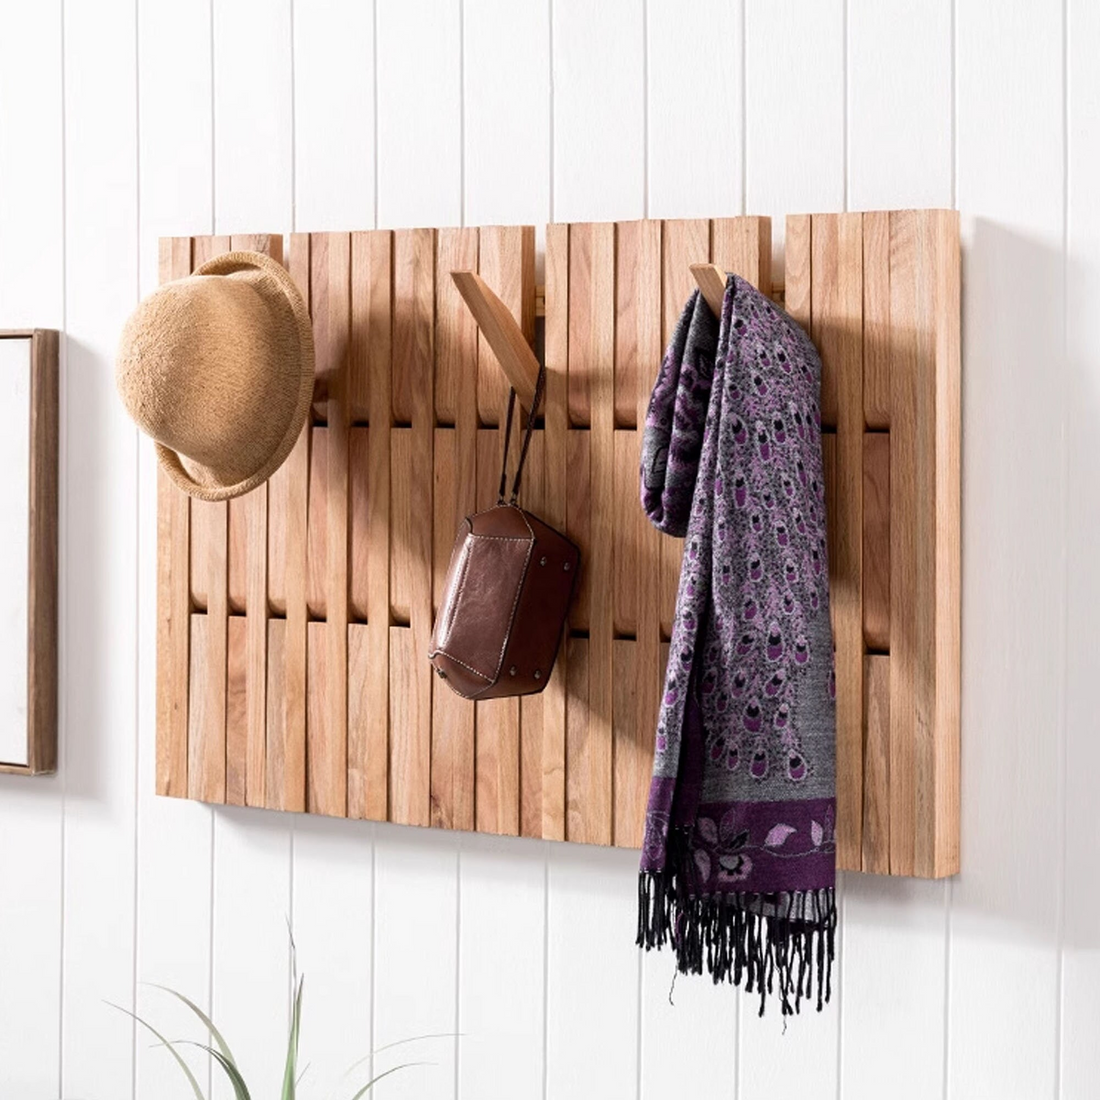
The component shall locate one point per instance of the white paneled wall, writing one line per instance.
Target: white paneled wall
(124, 120)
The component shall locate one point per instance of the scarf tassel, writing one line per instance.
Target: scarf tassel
(722, 934)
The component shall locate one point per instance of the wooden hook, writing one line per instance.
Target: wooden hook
(712, 283)
(504, 335)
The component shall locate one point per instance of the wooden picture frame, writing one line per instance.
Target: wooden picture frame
(40, 708)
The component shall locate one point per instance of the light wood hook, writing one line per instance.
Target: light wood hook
(712, 283)
(504, 335)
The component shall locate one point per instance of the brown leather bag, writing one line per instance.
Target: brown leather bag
(506, 595)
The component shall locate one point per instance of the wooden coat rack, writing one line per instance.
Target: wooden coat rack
(294, 621)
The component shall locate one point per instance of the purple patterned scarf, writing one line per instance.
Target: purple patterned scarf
(739, 858)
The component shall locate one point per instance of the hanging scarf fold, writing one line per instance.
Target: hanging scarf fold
(738, 863)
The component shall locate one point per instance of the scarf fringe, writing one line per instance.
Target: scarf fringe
(736, 942)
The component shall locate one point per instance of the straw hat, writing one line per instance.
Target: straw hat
(218, 369)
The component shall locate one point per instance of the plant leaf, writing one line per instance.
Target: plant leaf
(290, 1073)
(240, 1089)
(171, 1049)
(374, 1080)
(223, 1046)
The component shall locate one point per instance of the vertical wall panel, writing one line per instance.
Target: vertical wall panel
(794, 163)
(32, 293)
(333, 115)
(689, 43)
(794, 110)
(1081, 960)
(174, 835)
(1004, 965)
(599, 111)
(900, 153)
(98, 593)
(900, 104)
(419, 92)
(253, 173)
(253, 110)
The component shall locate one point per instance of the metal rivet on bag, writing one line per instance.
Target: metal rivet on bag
(542, 561)
(512, 671)
(567, 566)
(538, 674)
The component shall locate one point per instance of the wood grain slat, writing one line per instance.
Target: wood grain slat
(413, 375)
(876, 765)
(173, 593)
(837, 312)
(197, 717)
(275, 761)
(798, 276)
(876, 319)
(876, 541)
(371, 349)
(626, 525)
(290, 702)
(579, 748)
(236, 712)
(330, 290)
(942, 857)
(358, 523)
(317, 525)
(203, 250)
(578, 521)
(909, 687)
(744, 246)
(454, 498)
(557, 489)
(497, 770)
(638, 318)
(592, 350)
(633, 750)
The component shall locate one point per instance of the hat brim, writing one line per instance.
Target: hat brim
(206, 485)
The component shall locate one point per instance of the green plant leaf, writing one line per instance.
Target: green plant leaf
(290, 1073)
(169, 1045)
(374, 1080)
(223, 1046)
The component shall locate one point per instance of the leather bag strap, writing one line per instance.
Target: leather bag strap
(539, 387)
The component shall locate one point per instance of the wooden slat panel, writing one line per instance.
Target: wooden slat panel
(330, 284)
(942, 856)
(876, 541)
(637, 319)
(640, 317)
(876, 319)
(909, 689)
(452, 766)
(557, 479)
(173, 595)
(592, 350)
(208, 783)
(403, 565)
(798, 261)
(876, 766)
(275, 761)
(358, 522)
(371, 348)
(579, 784)
(633, 750)
(413, 373)
(837, 331)
(506, 261)
(325, 763)
(744, 246)
(196, 712)
(256, 644)
(317, 525)
(578, 520)
(270, 244)
(203, 249)
(627, 532)
(291, 791)
(497, 748)
(455, 496)
(236, 712)
(278, 489)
